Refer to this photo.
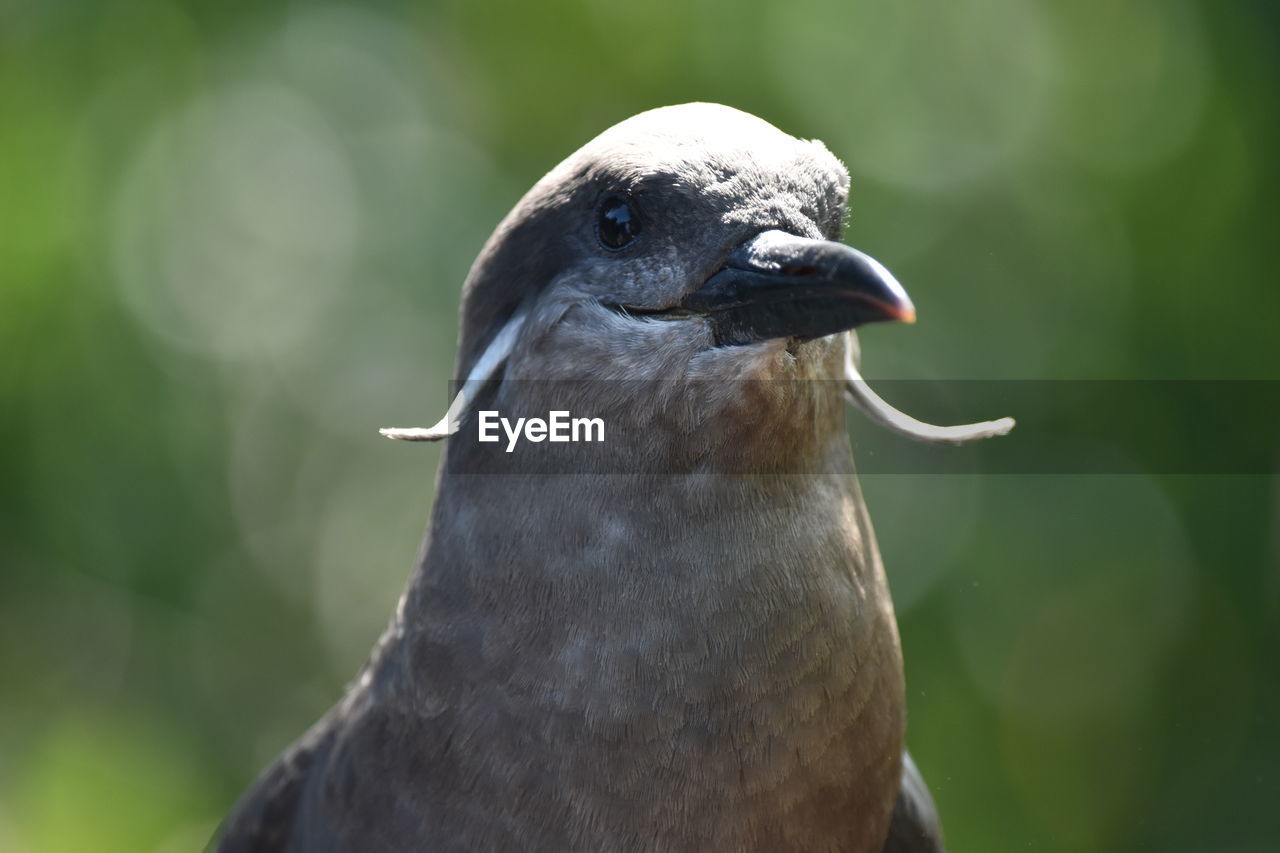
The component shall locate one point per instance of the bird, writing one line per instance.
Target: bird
(680, 637)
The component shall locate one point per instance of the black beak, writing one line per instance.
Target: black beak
(778, 285)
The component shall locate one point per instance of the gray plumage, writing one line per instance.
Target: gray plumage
(651, 660)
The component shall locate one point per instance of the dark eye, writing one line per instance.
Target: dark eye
(618, 224)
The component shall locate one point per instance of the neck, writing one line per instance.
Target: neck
(593, 565)
(719, 646)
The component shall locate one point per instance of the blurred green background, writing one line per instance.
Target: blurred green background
(231, 241)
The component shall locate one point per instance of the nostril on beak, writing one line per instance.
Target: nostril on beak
(799, 270)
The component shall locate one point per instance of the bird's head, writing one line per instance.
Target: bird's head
(694, 246)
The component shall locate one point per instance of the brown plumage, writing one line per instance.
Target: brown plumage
(684, 641)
